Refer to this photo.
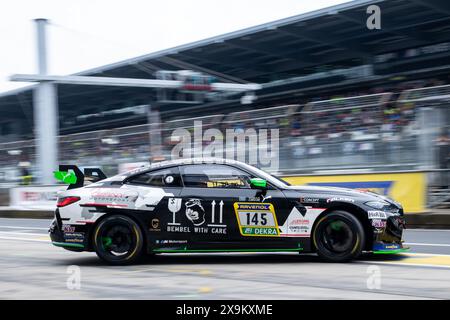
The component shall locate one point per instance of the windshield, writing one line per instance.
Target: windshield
(267, 176)
(279, 179)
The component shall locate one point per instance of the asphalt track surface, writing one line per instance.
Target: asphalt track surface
(31, 268)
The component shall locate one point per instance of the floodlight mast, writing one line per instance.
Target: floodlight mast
(45, 107)
(129, 82)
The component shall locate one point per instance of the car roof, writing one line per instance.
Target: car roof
(179, 162)
(205, 160)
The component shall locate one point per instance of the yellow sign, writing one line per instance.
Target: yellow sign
(409, 189)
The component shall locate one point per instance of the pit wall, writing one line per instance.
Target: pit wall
(407, 188)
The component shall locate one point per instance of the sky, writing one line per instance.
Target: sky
(84, 34)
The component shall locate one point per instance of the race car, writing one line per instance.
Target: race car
(218, 205)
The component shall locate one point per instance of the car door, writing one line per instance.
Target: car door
(222, 209)
(158, 203)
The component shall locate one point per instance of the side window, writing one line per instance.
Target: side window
(214, 176)
(169, 177)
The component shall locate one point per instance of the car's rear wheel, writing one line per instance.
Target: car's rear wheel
(118, 240)
(339, 237)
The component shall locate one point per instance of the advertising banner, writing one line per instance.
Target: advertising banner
(409, 189)
(35, 197)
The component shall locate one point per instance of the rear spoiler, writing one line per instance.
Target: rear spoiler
(72, 175)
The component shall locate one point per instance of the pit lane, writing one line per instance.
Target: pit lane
(31, 268)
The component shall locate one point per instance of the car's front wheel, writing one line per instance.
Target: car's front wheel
(339, 237)
(118, 240)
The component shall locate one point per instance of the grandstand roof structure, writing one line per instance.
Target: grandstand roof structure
(281, 55)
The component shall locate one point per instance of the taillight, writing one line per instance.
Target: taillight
(62, 202)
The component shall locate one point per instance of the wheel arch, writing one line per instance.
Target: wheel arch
(109, 213)
(354, 210)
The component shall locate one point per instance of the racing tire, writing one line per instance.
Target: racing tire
(339, 237)
(118, 240)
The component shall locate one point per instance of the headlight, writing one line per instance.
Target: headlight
(377, 204)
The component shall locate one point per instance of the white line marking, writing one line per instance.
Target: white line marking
(23, 239)
(425, 254)
(5, 233)
(427, 244)
(406, 264)
(25, 228)
(427, 230)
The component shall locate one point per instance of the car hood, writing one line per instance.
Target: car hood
(338, 191)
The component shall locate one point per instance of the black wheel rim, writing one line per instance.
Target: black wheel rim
(337, 236)
(118, 240)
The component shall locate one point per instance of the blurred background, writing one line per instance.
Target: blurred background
(354, 107)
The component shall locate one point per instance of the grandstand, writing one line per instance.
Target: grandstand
(336, 90)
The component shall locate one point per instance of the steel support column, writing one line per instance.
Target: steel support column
(45, 114)
(46, 131)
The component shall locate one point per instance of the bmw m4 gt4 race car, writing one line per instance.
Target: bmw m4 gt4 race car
(215, 205)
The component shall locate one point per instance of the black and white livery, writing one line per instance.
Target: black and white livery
(217, 205)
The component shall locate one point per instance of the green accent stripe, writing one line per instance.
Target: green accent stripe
(225, 250)
(66, 244)
(391, 251)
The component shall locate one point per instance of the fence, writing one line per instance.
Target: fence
(349, 131)
(376, 132)
(432, 105)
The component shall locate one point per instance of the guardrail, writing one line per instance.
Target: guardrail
(415, 189)
(425, 94)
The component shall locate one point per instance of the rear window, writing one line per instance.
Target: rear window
(169, 177)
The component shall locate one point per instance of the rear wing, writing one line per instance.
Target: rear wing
(73, 176)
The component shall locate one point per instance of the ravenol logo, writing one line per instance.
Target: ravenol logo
(253, 206)
(380, 187)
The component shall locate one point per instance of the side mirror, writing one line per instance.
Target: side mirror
(258, 183)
